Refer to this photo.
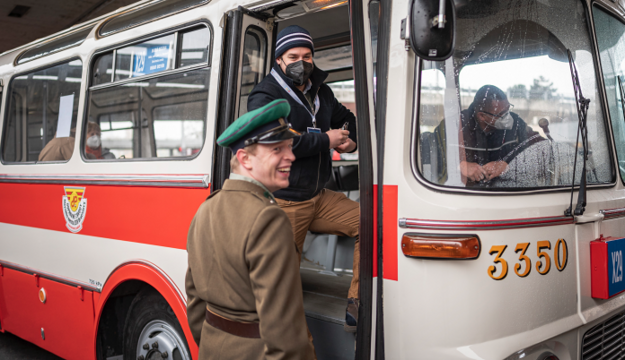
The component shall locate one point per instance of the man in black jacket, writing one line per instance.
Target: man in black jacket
(325, 124)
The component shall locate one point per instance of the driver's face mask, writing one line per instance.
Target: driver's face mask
(299, 71)
(505, 122)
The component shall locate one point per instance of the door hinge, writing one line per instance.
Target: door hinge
(403, 33)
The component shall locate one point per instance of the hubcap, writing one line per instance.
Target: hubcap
(160, 341)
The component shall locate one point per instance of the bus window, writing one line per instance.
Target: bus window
(103, 69)
(134, 121)
(500, 114)
(148, 57)
(143, 113)
(432, 95)
(42, 113)
(174, 136)
(193, 47)
(14, 130)
(334, 59)
(610, 37)
(254, 54)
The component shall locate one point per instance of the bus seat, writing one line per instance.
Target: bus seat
(425, 144)
(347, 177)
(427, 148)
(332, 184)
(329, 252)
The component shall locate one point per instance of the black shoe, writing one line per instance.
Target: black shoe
(351, 315)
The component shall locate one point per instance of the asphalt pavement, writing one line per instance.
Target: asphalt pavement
(14, 348)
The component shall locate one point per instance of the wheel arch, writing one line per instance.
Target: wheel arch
(136, 274)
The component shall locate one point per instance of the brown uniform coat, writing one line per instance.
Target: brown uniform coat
(243, 266)
(58, 149)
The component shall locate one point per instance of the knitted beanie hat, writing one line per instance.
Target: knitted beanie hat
(291, 37)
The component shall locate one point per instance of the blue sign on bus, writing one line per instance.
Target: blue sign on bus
(616, 249)
(155, 59)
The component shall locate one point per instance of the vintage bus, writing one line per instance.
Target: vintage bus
(455, 264)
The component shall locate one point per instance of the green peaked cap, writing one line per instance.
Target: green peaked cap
(245, 125)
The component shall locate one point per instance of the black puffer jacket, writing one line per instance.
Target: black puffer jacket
(311, 169)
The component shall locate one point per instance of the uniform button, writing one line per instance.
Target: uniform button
(271, 201)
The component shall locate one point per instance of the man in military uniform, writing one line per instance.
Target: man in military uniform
(243, 285)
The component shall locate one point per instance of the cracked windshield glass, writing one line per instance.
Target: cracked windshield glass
(500, 113)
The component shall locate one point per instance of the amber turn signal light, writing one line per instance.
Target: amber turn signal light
(441, 246)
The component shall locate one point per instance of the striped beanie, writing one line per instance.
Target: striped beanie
(291, 37)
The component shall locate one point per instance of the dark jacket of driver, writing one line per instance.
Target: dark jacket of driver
(481, 147)
(499, 145)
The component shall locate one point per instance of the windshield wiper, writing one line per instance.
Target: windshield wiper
(581, 103)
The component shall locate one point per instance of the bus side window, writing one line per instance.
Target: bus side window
(42, 113)
(254, 54)
(137, 112)
(431, 148)
(12, 146)
(612, 53)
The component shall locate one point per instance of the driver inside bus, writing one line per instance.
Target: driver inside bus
(493, 135)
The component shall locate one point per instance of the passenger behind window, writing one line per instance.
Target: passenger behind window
(492, 136)
(59, 148)
(93, 143)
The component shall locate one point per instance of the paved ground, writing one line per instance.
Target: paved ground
(14, 348)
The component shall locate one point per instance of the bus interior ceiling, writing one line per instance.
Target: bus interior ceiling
(327, 260)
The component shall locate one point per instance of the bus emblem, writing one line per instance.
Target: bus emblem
(74, 208)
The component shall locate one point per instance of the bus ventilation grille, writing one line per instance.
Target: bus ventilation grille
(606, 340)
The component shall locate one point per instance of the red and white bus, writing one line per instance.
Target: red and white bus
(93, 228)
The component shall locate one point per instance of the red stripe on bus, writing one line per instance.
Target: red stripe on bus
(375, 230)
(389, 238)
(147, 215)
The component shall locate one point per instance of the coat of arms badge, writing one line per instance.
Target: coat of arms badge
(74, 207)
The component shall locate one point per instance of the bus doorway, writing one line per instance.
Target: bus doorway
(327, 260)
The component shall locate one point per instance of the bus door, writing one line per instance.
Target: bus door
(245, 63)
(345, 49)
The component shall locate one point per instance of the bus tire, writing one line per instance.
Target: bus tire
(152, 330)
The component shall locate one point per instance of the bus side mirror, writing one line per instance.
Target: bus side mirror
(432, 28)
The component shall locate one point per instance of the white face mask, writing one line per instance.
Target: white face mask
(505, 122)
(94, 142)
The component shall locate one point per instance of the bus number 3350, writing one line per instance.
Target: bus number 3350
(543, 265)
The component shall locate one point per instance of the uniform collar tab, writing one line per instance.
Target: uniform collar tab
(266, 193)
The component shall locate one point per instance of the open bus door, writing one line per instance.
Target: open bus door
(247, 58)
(245, 62)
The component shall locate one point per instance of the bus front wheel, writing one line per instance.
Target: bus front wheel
(152, 331)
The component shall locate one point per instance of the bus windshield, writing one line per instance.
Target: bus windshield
(500, 113)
